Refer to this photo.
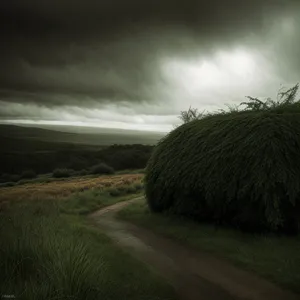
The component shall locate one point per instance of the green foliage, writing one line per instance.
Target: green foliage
(49, 255)
(61, 173)
(114, 192)
(41, 257)
(238, 168)
(285, 98)
(130, 189)
(83, 172)
(138, 186)
(87, 201)
(122, 190)
(78, 157)
(102, 169)
(190, 115)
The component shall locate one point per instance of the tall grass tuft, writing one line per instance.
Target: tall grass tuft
(42, 257)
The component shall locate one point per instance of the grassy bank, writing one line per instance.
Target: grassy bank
(68, 187)
(275, 258)
(50, 251)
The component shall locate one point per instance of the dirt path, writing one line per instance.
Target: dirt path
(194, 275)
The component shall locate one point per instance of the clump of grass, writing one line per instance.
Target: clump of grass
(83, 172)
(131, 189)
(41, 256)
(122, 188)
(61, 173)
(85, 202)
(138, 186)
(49, 255)
(114, 192)
(102, 169)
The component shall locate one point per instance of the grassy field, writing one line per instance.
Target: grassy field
(275, 258)
(68, 186)
(49, 250)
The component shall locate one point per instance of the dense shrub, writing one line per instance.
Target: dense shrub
(83, 172)
(61, 173)
(114, 192)
(102, 169)
(28, 174)
(130, 189)
(138, 186)
(119, 157)
(122, 188)
(240, 169)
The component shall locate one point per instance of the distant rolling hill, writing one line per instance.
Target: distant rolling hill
(16, 138)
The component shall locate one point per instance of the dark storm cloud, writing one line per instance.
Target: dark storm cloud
(89, 53)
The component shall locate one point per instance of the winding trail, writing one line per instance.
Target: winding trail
(195, 275)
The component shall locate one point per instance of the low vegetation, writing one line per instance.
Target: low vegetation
(76, 159)
(50, 251)
(274, 257)
(69, 186)
(102, 169)
(62, 173)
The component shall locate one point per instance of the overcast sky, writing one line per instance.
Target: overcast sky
(136, 64)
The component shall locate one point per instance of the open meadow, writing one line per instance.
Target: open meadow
(49, 249)
(66, 187)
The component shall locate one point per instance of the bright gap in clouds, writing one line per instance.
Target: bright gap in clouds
(222, 69)
(164, 128)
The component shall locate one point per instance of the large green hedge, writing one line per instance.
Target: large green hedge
(240, 169)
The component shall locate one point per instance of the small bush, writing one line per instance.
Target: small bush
(83, 173)
(61, 173)
(130, 189)
(102, 169)
(28, 174)
(22, 181)
(122, 188)
(7, 184)
(115, 192)
(138, 186)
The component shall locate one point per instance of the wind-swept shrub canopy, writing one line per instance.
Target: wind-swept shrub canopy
(240, 168)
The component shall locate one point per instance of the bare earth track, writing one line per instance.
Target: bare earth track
(194, 275)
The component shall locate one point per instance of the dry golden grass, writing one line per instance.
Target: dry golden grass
(61, 189)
